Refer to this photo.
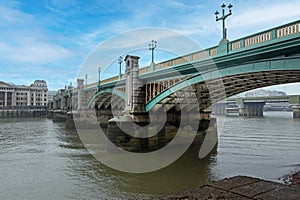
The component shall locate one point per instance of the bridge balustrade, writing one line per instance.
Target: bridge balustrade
(199, 55)
(143, 70)
(235, 45)
(288, 30)
(213, 51)
(263, 37)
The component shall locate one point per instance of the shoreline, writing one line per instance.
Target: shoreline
(292, 178)
(242, 188)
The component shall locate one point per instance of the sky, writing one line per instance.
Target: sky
(52, 39)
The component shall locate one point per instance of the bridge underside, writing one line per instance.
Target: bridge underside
(109, 101)
(203, 94)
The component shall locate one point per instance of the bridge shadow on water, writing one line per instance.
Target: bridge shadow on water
(184, 174)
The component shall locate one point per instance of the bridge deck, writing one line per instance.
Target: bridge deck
(259, 40)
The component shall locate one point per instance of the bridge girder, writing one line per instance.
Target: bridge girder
(236, 79)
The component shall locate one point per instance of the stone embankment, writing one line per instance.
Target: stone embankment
(241, 188)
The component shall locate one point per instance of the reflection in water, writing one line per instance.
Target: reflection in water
(42, 160)
(187, 172)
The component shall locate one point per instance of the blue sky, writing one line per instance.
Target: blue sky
(50, 39)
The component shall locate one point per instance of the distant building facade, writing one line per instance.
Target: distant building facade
(51, 94)
(264, 93)
(35, 95)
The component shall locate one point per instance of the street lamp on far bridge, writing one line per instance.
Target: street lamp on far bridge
(152, 46)
(223, 17)
(120, 60)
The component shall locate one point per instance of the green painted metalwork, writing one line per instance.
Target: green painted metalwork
(279, 38)
(111, 90)
(284, 64)
(295, 100)
(274, 44)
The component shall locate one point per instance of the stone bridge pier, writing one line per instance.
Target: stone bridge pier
(219, 108)
(295, 102)
(59, 107)
(252, 109)
(296, 111)
(130, 131)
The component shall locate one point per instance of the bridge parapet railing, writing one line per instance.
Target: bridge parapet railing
(200, 55)
(256, 39)
(213, 51)
(288, 29)
(114, 78)
(272, 34)
(268, 35)
(249, 41)
(236, 45)
(143, 70)
(95, 84)
(183, 59)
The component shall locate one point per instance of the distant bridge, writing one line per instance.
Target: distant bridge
(253, 106)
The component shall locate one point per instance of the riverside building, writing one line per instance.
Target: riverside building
(21, 96)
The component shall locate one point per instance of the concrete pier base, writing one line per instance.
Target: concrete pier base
(133, 136)
(50, 114)
(219, 108)
(103, 116)
(252, 109)
(59, 116)
(84, 119)
(296, 111)
(70, 124)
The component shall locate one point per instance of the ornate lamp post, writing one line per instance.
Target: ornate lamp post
(152, 46)
(223, 17)
(120, 60)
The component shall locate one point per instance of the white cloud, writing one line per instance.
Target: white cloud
(62, 7)
(32, 51)
(23, 41)
(9, 16)
(268, 13)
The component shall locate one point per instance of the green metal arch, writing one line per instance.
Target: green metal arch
(274, 65)
(110, 90)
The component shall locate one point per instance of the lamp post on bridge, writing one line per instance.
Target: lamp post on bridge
(223, 17)
(152, 46)
(120, 60)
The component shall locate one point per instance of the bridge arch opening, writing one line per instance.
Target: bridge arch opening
(237, 79)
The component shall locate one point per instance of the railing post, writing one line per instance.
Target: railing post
(273, 34)
(242, 43)
(223, 47)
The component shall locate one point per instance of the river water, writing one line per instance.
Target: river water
(40, 159)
